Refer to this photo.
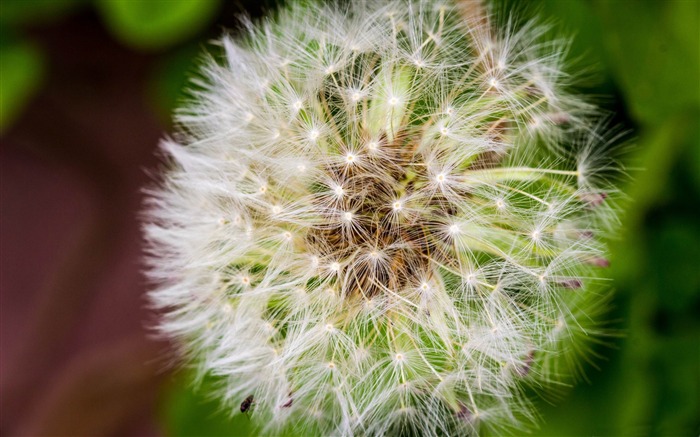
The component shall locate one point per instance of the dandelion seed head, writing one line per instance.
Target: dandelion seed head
(383, 218)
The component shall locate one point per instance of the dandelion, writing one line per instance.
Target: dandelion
(397, 234)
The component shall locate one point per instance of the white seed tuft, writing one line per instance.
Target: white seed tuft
(383, 219)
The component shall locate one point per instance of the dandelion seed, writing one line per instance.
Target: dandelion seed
(464, 413)
(470, 279)
(315, 261)
(571, 283)
(599, 261)
(289, 402)
(593, 199)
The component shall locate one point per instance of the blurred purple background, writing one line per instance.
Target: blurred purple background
(76, 356)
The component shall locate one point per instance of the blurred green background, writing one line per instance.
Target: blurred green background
(647, 59)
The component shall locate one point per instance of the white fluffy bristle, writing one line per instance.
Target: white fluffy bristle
(380, 220)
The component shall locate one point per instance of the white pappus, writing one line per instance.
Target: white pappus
(383, 218)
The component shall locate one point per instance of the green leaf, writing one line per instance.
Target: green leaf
(654, 50)
(156, 24)
(692, 158)
(659, 147)
(188, 412)
(195, 412)
(678, 239)
(169, 83)
(575, 21)
(33, 11)
(21, 70)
